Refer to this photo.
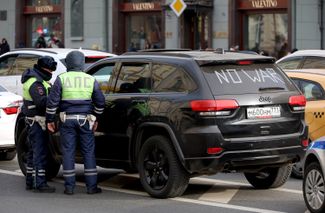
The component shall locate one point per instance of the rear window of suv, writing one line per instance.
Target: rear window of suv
(243, 79)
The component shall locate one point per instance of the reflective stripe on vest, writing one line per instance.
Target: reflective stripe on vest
(77, 85)
(28, 84)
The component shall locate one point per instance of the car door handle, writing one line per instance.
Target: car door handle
(138, 101)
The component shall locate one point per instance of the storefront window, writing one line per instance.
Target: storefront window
(267, 33)
(143, 32)
(77, 18)
(45, 27)
(42, 2)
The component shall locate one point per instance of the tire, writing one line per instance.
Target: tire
(314, 188)
(297, 170)
(269, 177)
(161, 174)
(22, 147)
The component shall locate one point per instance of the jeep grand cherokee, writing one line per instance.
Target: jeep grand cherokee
(173, 115)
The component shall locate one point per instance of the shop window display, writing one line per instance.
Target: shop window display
(45, 30)
(267, 33)
(143, 32)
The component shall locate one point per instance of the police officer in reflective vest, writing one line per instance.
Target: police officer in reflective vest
(35, 93)
(78, 98)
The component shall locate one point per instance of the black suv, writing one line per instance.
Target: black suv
(173, 115)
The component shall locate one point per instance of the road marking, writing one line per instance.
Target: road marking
(216, 182)
(223, 205)
(221, 197)
(184, 200)
(11, 172)
(179, 199)
(218, 193)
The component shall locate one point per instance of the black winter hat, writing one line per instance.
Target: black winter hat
(47, 62)
(75, 61)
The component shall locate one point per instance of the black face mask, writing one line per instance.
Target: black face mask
(46, 76)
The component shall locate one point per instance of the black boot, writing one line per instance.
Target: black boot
(94, 191)
(45, 189)
(68, 191)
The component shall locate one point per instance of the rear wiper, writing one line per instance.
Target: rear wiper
(270, 88)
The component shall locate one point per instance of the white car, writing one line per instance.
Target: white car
(303, 59)
(313, 180)
(15, 62)
(9, 106)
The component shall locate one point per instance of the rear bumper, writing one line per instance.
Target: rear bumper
(247, 154)
(245, 160)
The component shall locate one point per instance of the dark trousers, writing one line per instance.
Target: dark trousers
(36, 156)
(73, 131)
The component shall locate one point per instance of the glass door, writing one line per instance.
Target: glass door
(267, 33)
(44, 28)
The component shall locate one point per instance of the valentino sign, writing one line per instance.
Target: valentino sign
(264, 3)
(44, 9)
(143, 6)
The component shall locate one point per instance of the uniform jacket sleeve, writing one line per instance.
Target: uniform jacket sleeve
(53, 100)
(98, 100)
(38, 93)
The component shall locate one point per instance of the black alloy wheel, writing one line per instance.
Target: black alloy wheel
(161, 174)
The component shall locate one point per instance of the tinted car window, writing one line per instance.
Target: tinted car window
(23, 62)
(102, 74)
(314, 62)
(290, 63)
(6, 64)
(169, 78)
(236, 79)
(134, 78)
(311, 90)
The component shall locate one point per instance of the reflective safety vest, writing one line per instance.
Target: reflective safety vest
(28, 84)
(77, 85)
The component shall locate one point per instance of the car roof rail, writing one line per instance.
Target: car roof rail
(145, 51)
(165, 50)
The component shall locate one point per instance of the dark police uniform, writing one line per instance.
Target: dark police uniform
(78, 98)
(35, 92)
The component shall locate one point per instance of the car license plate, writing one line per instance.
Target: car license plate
(263, 112)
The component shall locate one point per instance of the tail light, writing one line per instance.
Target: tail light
(305, 142)
(214, 107)
(214, 150)
(12, 108)
(297, 103)
(244, 62)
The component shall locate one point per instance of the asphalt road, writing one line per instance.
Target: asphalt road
(221, 193)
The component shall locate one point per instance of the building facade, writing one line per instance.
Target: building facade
(127, 25)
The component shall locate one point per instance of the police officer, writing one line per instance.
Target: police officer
(35, 93)
(79, 100)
